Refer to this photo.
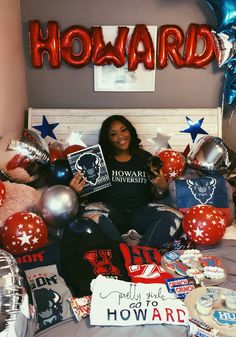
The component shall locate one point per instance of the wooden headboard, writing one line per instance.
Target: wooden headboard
(148, 123)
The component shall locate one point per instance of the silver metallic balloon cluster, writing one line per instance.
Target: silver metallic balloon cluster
(11, 289)
(212, 154)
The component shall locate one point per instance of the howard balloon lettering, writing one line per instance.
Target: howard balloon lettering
(173, 45)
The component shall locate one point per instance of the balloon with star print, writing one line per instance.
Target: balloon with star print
(23, 232)
(173, 163)
(204, 224)
(2, 192)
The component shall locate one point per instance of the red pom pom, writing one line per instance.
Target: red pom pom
(23, 232)
(204, 224)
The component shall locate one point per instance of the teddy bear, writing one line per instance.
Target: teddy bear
(17, 198)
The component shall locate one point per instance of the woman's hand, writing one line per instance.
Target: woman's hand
(77, 182)
(160, 181)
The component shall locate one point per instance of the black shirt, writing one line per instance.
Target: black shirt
(130, 187)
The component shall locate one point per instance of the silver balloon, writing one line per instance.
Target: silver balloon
(58, 205)
(23, 155)
(11, 290)
(211, 154)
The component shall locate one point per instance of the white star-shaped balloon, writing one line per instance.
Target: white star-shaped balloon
(75, 138)
(160, 141)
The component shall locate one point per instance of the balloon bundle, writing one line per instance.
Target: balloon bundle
(225, 43)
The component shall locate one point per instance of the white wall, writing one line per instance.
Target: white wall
(13, 101)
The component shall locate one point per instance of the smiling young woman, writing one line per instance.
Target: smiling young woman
(128, 202)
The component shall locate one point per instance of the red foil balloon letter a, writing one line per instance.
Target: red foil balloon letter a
(40, 45)
(146, 56)
(109, 54)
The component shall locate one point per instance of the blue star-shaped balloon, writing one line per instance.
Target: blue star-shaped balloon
(46, 128)
(194, 128)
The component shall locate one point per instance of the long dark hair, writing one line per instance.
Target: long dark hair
(104, 141)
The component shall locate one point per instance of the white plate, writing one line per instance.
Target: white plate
(205, 281)
(191, 301)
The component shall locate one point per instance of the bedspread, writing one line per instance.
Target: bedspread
(226, 249)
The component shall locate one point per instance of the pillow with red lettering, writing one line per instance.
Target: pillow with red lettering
(45, 256)
(50, 295)
(85, 256)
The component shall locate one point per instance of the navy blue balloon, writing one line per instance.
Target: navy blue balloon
(59, 173)
(83, 226)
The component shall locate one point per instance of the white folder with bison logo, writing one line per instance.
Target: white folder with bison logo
(90, 161)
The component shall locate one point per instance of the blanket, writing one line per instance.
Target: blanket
(225, 249)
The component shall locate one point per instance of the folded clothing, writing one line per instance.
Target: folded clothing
(85, 256)
(50, 294)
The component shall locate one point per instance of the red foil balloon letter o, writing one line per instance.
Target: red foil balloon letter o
(82, 58)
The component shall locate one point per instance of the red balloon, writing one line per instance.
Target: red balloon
(173, 163)
(170, 41)
(56, 151)
(81, 58)
(2, 192)
(146, 56)
(109, 54)
(196, 32)
(55, 154)
(40, 45)
(204, 224)
(23, 232)
(72, 148)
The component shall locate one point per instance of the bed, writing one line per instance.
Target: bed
(154, 127)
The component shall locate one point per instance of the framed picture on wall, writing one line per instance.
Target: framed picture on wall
(111, 78)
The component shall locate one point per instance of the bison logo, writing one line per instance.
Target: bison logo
(89, 164)
(202, 190)
(49, 306)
